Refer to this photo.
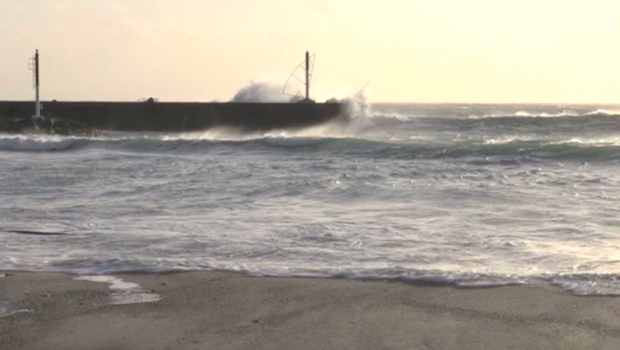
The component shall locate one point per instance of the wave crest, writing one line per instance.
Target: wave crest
(38, 143)
(564, 113)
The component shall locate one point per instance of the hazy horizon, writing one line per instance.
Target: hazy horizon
(447, 51)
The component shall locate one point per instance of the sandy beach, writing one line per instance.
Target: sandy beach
(216, 310)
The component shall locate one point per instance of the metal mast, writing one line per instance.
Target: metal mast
(307, 67)
(34, 66)
(307, 75)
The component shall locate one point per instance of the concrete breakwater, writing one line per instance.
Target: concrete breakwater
(86, 117)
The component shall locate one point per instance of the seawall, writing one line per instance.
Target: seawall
(15, 116)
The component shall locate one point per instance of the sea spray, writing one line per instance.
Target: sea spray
(261, 92)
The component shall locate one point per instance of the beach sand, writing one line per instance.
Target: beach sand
(217, 310)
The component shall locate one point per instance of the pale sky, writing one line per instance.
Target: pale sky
(565, 51)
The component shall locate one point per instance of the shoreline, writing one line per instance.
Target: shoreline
(230, 310)
(599, 285)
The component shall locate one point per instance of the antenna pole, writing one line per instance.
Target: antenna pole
(36, 84)
(307, 75)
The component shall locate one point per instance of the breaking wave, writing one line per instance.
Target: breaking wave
(564, 113)
(37, 143)
(423, 195)
(320, 140)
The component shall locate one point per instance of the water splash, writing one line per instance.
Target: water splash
(261, 92)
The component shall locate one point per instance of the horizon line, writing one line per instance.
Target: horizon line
(159, 100)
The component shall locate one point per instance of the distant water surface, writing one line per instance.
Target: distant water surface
(471, 195)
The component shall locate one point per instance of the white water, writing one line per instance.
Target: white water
(433, 195)
(123, 292)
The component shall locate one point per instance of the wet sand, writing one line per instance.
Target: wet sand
(215, 310)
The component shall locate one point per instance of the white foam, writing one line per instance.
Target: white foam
(507, 139)
(35, 142)
(546, 115)
(397, 116)
(6, 313)
(606, 141)
(124, 292)
(564, 113)
(328, 130)
(6, 309)
(604, 112)
(588, 287)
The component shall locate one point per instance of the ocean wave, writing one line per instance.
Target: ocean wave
(593, 122)
(419, 148)
(25, 143)
(393, 115)
(561, 114)
(523, 147)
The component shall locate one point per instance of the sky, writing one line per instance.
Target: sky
(461, 51)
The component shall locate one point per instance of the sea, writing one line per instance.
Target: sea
(458, 194)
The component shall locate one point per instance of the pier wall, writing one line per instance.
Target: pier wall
(176, 116)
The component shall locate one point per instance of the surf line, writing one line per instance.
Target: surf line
(123, 292)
